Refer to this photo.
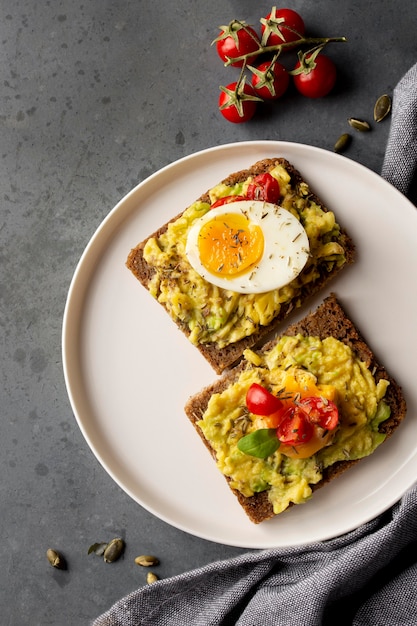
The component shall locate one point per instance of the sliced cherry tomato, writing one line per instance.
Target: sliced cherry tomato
(265, 188)
(321, 411)
(305, 450)
(315, 78)
(274, 420)
(273, 27)
(237, 102)
(236, 40)
(226, 200)
(295, 427)
(270, 80)
(261, 402)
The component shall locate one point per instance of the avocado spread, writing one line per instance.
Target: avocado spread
(214, 315)
(326, 364)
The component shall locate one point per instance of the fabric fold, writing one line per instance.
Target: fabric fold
(400, 160)
(283, 587)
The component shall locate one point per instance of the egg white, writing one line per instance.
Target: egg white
(286, 247)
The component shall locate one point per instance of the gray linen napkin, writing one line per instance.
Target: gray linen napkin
(401, 154)
(365, 577)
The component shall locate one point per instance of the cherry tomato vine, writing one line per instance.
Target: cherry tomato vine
(263, 76)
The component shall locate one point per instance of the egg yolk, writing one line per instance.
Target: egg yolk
(230, 245)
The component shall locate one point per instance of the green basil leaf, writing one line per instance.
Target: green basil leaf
(260, 443)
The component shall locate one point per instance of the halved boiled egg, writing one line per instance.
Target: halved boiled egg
(248, 246)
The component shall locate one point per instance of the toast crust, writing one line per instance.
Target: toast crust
(328, 320)
(221, 358)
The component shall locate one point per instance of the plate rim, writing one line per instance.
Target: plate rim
(122, 207)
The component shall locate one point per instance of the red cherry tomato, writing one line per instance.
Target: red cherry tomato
(236, 40)
(237, 102)
(270, 80)
(265, 188)
(318, 80)
(321, 411)
(261, 402)
(295, 427)
(226, 200)
(273, 27)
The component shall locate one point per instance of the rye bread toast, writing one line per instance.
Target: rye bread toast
(219, 356)
(328, 320)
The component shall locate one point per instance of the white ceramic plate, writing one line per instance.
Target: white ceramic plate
(129, 371)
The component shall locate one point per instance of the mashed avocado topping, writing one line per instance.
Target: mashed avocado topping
(215, 315)
(328, 365)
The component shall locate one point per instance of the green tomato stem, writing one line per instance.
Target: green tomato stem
(303, 41)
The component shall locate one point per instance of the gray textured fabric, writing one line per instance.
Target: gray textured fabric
(366, 577)
(401, 154)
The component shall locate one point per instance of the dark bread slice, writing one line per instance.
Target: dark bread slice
(221, 358)
(328, 320)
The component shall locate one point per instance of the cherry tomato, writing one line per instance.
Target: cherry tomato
(237, 102)
(235, 40)
(321, 411)
(226, 200)
(273, 27)
(273, 420)
(317, 80)
(270, 80)
(295, 427)
(265, 188)
(261, 402)
(305, 450)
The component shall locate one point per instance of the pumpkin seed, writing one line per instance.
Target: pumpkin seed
(343, 142)
(382, 108)
(113, 550)
(361, 125)
(98, 548)
(151, 578)
(146, 560)
(56, 559)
